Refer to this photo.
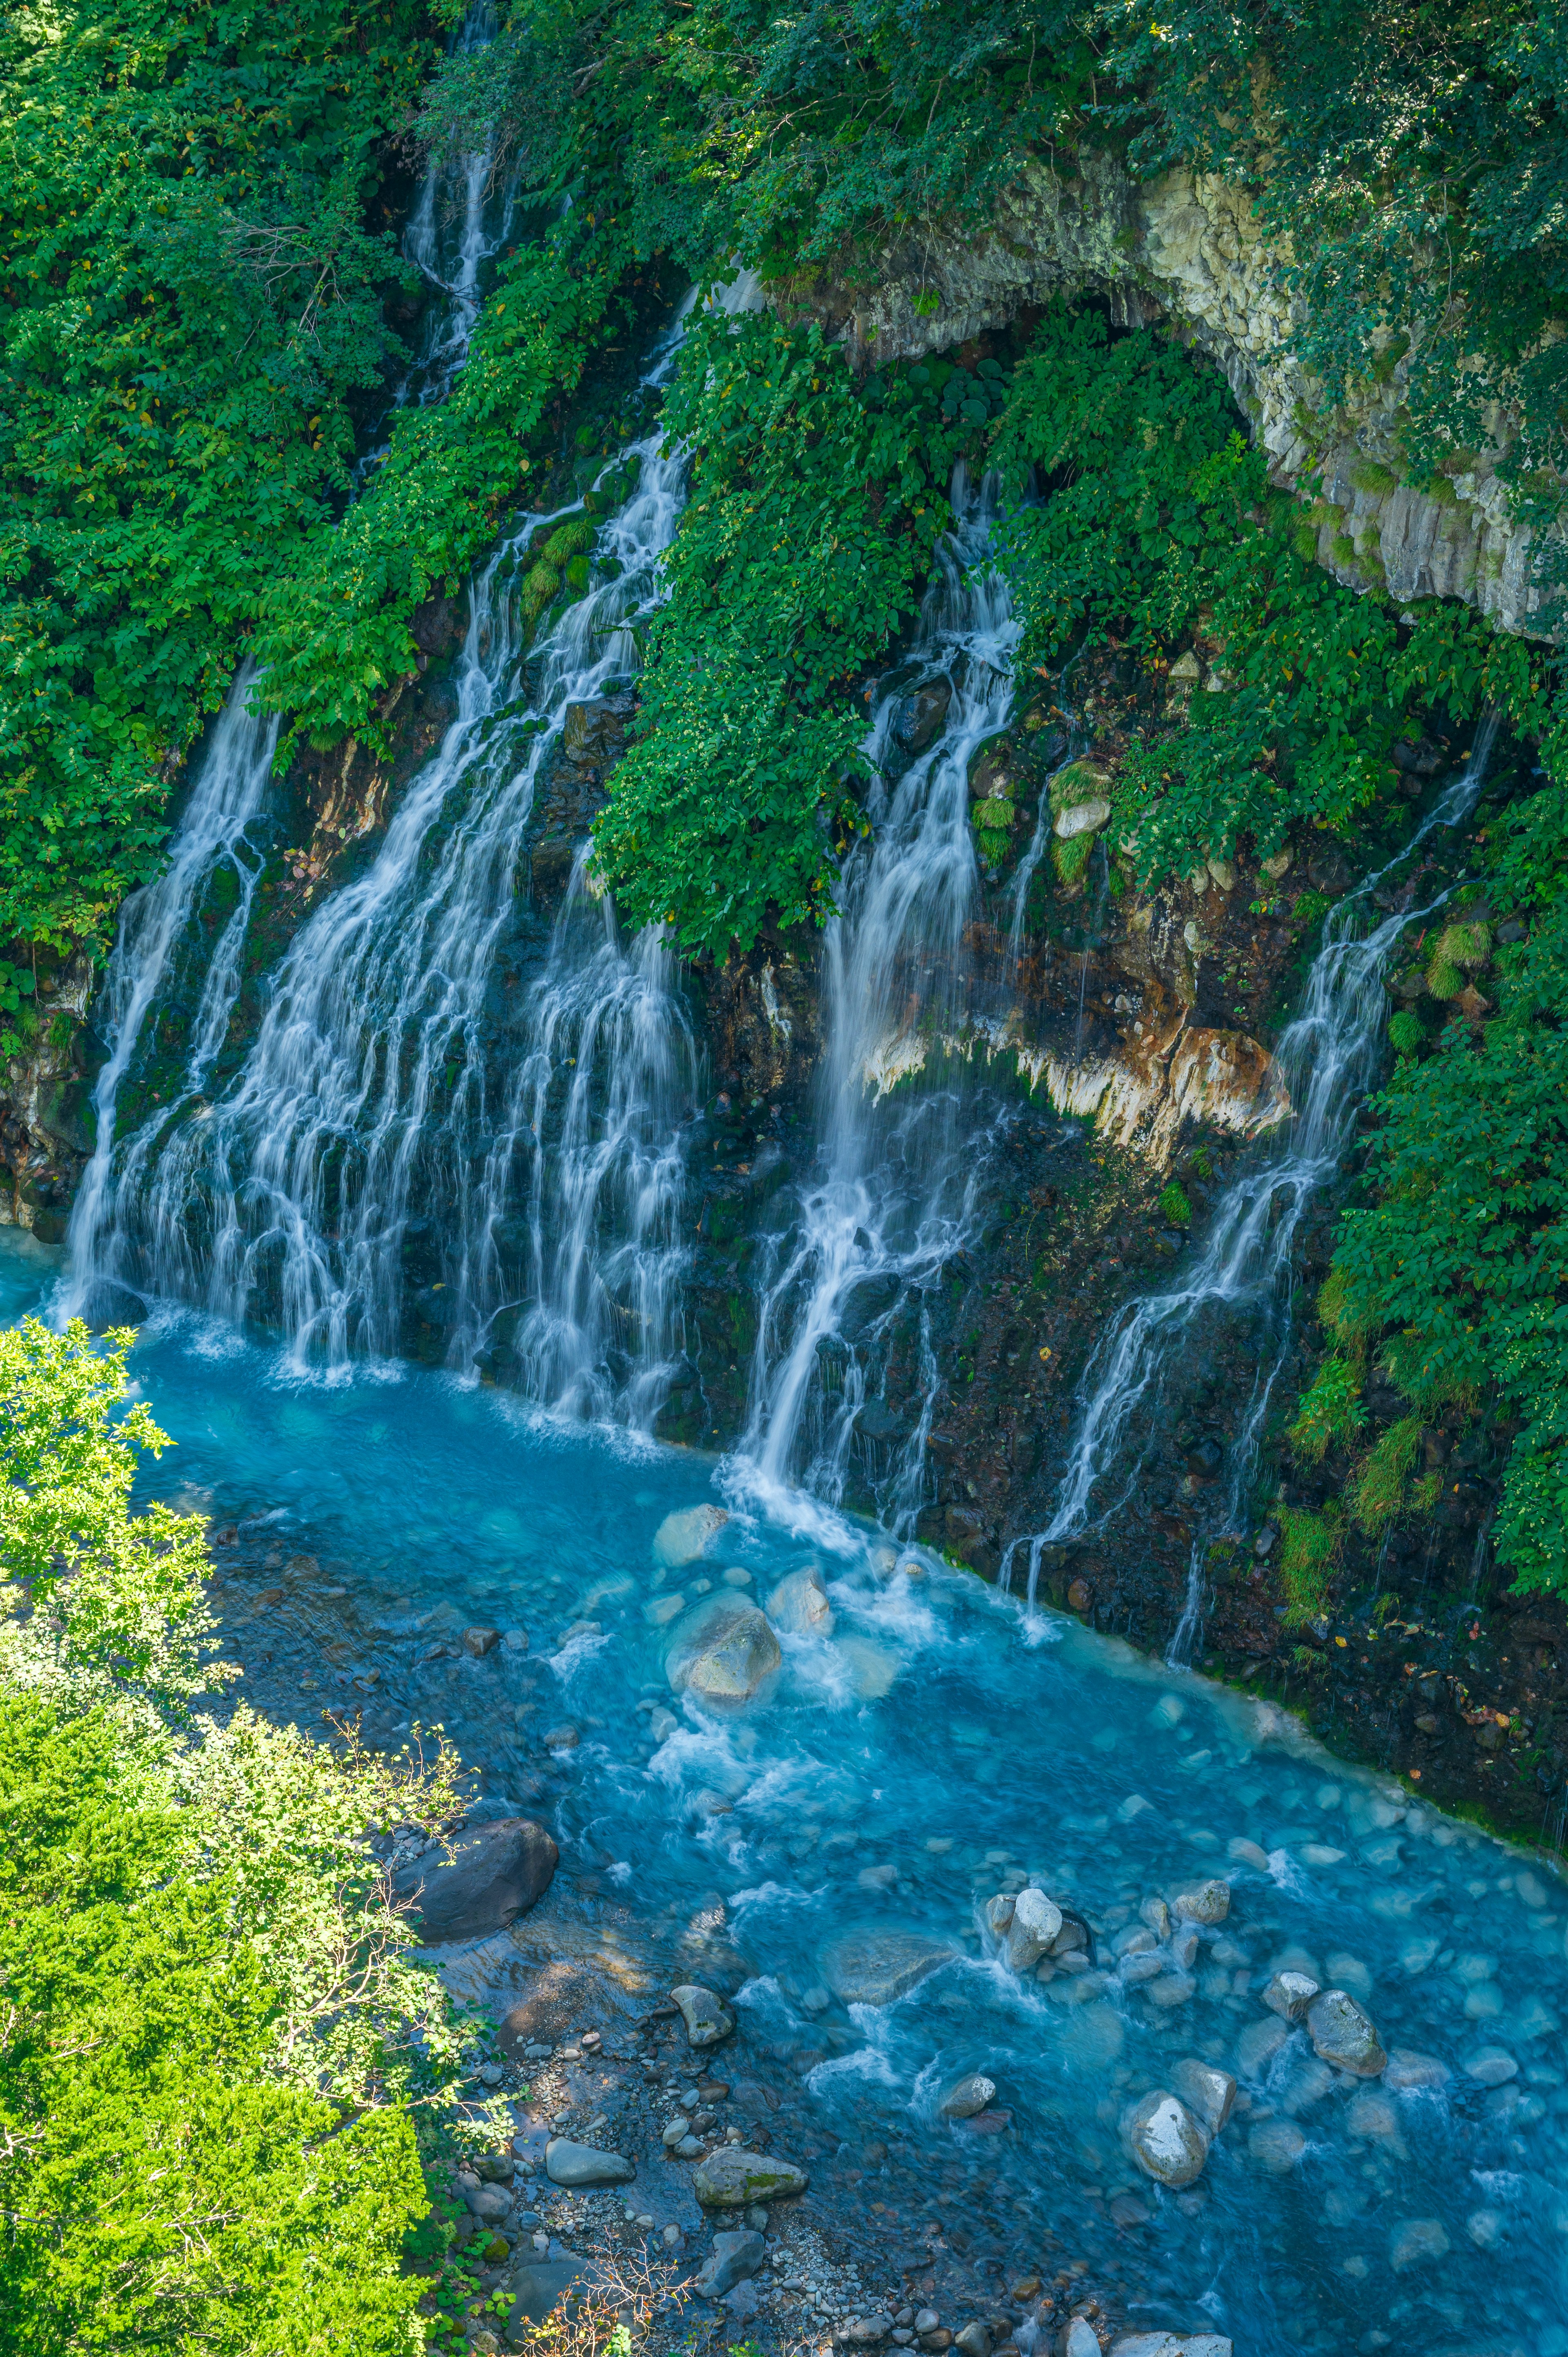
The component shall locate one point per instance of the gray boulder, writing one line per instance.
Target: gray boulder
(1165, 2139)
(876, 1967)
(1037, 1921)
(1289, 1995)
(1343, 2035)
(707, 2021)
(479, 1881)
(799, 1605)
(1206, 2091)
(566, 2163)
(543, 2286)
(731, 2179)
(724, 1652)
(489, 2203)
(681, 1538)
(734, 2256)
(966, 2096)
(1206, 1902)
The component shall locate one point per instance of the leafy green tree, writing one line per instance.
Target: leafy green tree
(220, 2064)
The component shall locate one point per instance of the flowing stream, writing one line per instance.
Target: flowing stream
(918, 1750)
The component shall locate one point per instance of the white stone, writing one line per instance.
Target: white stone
(681, 1538)
(1036, 1919)
(1084, 818)
(1165, 2139)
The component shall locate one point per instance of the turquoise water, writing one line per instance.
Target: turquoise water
(935, 1745)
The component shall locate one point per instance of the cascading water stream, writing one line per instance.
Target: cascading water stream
(897, 1194)
(159, 941)
(402, 1068)
(1328, 1059)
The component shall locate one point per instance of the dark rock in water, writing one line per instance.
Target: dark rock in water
(544, 2287)
(494, 1874)
(735, 2257)
(109, 1303)
(921, 714)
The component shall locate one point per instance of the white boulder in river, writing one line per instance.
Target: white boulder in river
(967, 2096)
(724, 1652)
(1036, 1919)
(681, 1538)
(800, 1606)
(707, 2021)
(1165, 2139)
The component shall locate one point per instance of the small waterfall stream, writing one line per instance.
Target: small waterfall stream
(894, 1193)
(1328, 1059)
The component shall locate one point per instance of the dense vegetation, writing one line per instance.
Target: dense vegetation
(218, 2066)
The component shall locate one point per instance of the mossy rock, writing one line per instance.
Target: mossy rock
(1464, 944)
(1443, 980)
(990, 765)
(995, 816)
(541, 585)
(578, 575)
(1081, 782)
(572, 540)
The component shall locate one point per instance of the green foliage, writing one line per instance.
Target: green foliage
(1174, 1206)
(190, 303)
(1157, 519)
(1406, 1032)
(334, 632)
(816, 503)
(1331, 1411)
(1380, 1489)
(218, 2051)
(1309, 1548)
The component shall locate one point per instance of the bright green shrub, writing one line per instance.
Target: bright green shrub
(1407, 1033)
(1174, 1206)
(1310, 1547)
(1379, 1490)
(1331, 1411)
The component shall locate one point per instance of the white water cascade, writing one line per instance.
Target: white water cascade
(1328, 1058)
(159, 938)
(417, 1122)
(896, 1193)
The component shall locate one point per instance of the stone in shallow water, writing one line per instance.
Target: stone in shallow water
(566, 2163)
(1343, 2035)
(489, 1876)
(875, 1968)
(1205, 1902)
(1417, 2242)
(800, 1606)
(1490, 2065)
(966, 2096)
(1289, 1995)
(1373, 2115)
(1208, 2092)
(543, 2286)
(681, 1538)
(734, 2258)
(1171, 1989)
(1037, 1921)
(1409, 2070)
(1171, 2344)
(724, 1652)
(707, 2021)
(1276, 2146)
(731, 2179)
(1165, 2139)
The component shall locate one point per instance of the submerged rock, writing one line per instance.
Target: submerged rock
(967, 2096)
(732, 2179)
(1171, 2344)
(681, 1538)
(724, 1652)
(1289, 1995)
(1418, 2240)
(493, 1874)
(1343, 2035)
(876, 1967)
(800, 1606)
(543, 2286)
(1409, 2070)
(1276, 2146)
(707, 2021)
(566, 2163)
(1208, 2092)
(734, 2256)
(1165, 2139)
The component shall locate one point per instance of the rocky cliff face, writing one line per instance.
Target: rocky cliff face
(1186, 247)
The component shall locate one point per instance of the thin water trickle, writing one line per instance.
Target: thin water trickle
(896, 1193)
(1328, 1059)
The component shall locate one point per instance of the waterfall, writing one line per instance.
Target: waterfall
(158, 943)
(1328, 1058)
(428, 1148)
(896, 1190)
